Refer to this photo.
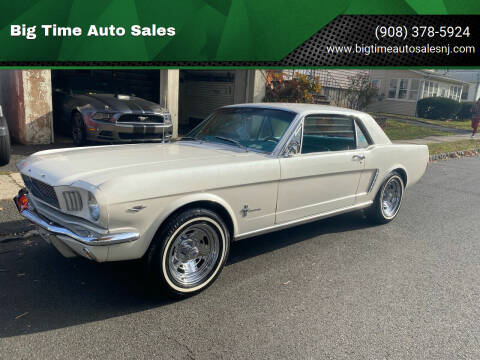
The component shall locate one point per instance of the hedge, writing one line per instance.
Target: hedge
(438, 108)
(465, 111)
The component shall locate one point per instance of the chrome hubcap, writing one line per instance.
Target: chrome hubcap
(194, 254)
(392, 196)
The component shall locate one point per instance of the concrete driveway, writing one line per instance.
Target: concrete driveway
(334, 289)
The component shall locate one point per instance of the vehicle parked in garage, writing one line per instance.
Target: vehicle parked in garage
(4, 140)
(246, 170)
(111, 118)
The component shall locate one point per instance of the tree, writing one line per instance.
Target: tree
(299, 89)
(360, 92)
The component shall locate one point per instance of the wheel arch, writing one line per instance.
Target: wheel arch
(74, 111)
(203, 200)
(401, 171)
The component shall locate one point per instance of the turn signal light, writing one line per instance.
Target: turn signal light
(22, 202)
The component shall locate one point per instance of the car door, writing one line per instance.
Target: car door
(324, 176)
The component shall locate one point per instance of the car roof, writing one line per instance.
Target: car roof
(299, 108)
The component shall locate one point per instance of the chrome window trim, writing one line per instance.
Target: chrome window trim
(299, 121)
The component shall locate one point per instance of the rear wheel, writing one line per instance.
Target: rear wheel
(189, 252)
(4, 144)
(79, 135)
(388, 200)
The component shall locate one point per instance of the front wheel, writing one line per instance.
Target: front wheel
(79, 135)
(388, 200)
(189, 252)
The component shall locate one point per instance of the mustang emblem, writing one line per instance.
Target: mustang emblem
(143, 118)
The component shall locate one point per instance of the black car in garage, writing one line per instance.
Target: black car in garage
(4, 140)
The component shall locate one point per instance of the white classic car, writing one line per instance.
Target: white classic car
(246, 170)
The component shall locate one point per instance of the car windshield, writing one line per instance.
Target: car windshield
(249, 128)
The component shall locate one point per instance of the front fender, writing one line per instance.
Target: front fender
(192, 198)
(148, 221)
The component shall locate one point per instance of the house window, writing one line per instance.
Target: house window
(455, 92)
(392, 89)
(413, 89)
(465, 92)
(376, 83)
(406, 89)
(403, 88)
(430, 89)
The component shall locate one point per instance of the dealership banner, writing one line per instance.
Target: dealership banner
(240, 33)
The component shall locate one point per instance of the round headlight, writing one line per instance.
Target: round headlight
(93, 207)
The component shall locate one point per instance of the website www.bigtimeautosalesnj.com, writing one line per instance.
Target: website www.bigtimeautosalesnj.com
(400, 49)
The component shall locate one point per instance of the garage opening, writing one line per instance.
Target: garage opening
(200, 93)
(141, 83)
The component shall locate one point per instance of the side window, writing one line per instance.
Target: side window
(362, 141)
(328, 133)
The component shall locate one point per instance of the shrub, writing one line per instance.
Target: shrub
(438, 108)
(465, 111)
(299, 89)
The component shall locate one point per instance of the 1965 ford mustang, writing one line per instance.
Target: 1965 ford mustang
(246, 170)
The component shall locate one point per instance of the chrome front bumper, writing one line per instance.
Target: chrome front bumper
(109, 239)
(70, 244)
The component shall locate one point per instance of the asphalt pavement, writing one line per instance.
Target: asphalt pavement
(334, 289)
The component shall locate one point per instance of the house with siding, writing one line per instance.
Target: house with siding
(471, 91)
(399, 90)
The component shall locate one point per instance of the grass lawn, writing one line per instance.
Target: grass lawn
(463, 125)
(397, 130)
(446, 147)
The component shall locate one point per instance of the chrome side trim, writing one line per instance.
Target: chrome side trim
(302, 220)
(374, 180)
(107, 239)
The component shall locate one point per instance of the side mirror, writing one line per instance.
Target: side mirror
(293, 148)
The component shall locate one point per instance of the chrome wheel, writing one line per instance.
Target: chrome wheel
(194, 254)
(392, 197)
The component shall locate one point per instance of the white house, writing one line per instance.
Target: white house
(471, 91)
(399, 90)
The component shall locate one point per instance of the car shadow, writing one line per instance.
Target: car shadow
(40, 290)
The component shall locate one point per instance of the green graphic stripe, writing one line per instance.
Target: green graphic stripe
(206, 30)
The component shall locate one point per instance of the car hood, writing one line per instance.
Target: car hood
(124, 104)
(98, 164)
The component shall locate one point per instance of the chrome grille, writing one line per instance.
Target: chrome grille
(73, 200)
(41, 190)
(141, 118)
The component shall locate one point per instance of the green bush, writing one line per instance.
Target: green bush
(465, 111)
(438, 108)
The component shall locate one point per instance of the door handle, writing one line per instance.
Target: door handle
(358, 157)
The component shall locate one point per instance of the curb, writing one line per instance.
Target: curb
(454, 155)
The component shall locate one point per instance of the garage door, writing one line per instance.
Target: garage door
(200, 97)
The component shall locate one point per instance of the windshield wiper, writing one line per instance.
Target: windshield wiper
(188, 138)
(233, 141)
